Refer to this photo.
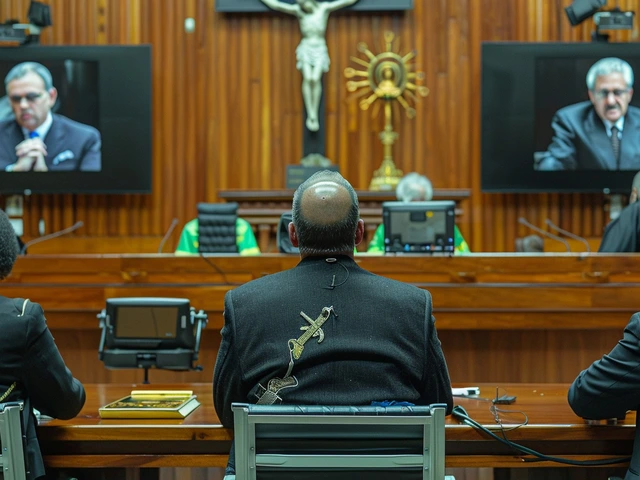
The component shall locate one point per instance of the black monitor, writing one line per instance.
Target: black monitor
(530, 93)
(150, 332)
(419, 227)
(99, 139)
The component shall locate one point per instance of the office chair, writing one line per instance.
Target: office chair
(11, 438)
(282, 238)
(338, 442)
(217, 227)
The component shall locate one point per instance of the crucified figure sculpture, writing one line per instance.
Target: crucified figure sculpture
(312, 54)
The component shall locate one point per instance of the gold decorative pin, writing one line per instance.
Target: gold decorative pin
(296, 346)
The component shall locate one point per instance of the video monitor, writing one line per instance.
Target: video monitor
(545, 130)
(149, 323)
(75, 119)
(419, 227)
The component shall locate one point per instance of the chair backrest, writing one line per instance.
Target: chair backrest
(217, 227)
(294, 441)
(11, 439)
(282, 238)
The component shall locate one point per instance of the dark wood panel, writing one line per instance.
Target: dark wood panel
(504, 318)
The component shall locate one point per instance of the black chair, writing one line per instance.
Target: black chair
(217, 227)
(338, 442)
(282, 237)
(12, 441)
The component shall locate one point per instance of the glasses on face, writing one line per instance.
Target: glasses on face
(29, 97)
(602, 94)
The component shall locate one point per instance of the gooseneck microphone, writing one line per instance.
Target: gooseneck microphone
(568, 234)
(57, 234)
(524, 222)
(170, 230)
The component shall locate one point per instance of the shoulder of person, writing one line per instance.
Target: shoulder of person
(66, 122)
(575, 110)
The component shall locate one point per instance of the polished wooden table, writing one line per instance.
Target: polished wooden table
(500, 317)
(200, 441)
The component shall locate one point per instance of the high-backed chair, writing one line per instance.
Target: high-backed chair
(11, 439)
(217, 227)
(282, 237)
(338, 442)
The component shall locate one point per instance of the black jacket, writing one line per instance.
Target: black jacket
(380, 345)
(31, 359)
(580, 141)
(611, 386)
(70, 145)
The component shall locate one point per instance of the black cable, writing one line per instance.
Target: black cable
(219, 270)
(461, 414)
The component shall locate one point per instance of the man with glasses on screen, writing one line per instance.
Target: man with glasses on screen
(36, 139)
(602, 133)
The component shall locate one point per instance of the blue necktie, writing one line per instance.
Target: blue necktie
(34, 134)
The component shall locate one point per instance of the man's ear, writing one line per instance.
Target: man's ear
(359, 232)
(293, 236)
(634, 195)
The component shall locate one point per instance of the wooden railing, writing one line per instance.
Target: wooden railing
(518, 318)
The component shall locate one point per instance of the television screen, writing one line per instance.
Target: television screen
(545, 130)
(419, 227)
(75, 119)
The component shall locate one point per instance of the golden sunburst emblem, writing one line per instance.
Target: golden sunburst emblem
(388, 77)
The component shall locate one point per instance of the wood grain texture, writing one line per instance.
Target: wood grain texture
(501, 318)
(227, 110)
(552, 428)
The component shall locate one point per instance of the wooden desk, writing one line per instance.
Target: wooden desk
(200, 441)
(500, 317)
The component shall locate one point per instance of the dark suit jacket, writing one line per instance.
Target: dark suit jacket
(30, 358)
(381, 346)
(611, 386)
(623, 234)
(70, 145)
(580, 141)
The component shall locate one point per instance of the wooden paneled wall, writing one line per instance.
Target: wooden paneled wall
(227, 109)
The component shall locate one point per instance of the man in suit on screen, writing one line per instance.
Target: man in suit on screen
(37, 139)
(602, 133)
(374, 339)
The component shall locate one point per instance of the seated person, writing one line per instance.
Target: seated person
(32, 369)
(414, 188)
(611, 386)
(245, 239)
(623, 233)
(600, 133)
(354, 307)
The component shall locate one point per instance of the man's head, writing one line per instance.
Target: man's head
(307, 5)
(8, 246)
(30, 90)
(326, 216)
(414, 188)
(610, 84)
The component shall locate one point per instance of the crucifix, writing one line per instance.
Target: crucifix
(312, 57)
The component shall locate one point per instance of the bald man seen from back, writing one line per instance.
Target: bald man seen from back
(376, 339)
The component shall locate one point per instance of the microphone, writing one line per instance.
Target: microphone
(170, 230)
(544, 232)
(568, 234)
(60, 233)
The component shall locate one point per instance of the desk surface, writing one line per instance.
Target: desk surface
(200, 440)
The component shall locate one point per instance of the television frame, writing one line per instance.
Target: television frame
(446, 206)
(501, 63)
(125, 121)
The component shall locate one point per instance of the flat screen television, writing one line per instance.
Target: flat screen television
(98, 139)
(524, 85)
(419, 227)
